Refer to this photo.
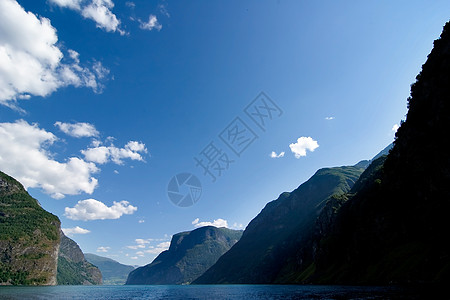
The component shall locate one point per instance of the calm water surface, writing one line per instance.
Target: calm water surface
(206, 292)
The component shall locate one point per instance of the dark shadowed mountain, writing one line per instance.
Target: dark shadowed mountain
(114, 273)
(275, 234)
(190, 254)
(392, 230)
(389, 228)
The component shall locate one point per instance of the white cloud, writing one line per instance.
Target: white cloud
(130, 4)
(216, 223)
(302, 145)
(91, 209)
(103, 249)
(99, 11)
(275, 155)
(72, 4)
(151, 24)
(102, 154)
(329, 118)
(31, 64)
(395, 128)
(77, 130)
(141, 221)
(142, 241)
(74, 230)
(134, 257)
(134, 247)
(237, 226)
(159, 248)
(26, 158)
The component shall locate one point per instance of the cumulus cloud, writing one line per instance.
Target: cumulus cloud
(99, 11)
(102, 154)
(151, 24)
(103, 249)
(25, 156)
(302, 145)
(74, 230)
(31, 63)
(329, 118)
(275, 155)
(91, 209)
(216, 223)
(78, 130)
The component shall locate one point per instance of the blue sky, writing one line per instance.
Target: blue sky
(102, 102)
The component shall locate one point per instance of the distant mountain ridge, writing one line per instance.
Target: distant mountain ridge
(190, 254)
(114, 273)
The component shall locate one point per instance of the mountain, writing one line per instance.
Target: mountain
(29, 237)
(73, 268)
(393, 229)
(389, 228)
(190, 254)
(114, 273)
(276, 233)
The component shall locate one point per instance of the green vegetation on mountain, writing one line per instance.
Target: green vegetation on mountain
(73, 268)
(189, 255)
(275, 235)
(113, 272)
(29, 237)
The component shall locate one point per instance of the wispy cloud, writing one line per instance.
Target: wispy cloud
(103, 249)
(99, 11)
(275, 155)
(329, 118)
(77, 130)
(151, 24)
(302, 145)
(158, 248)
(74, 230)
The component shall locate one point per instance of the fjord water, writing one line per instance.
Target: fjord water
(219, 292)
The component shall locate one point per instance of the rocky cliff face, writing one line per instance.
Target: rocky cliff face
(189, 255)
(29, 237)
(73, 268)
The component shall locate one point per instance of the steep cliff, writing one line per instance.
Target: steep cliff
(73, 268)
(29, 237)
